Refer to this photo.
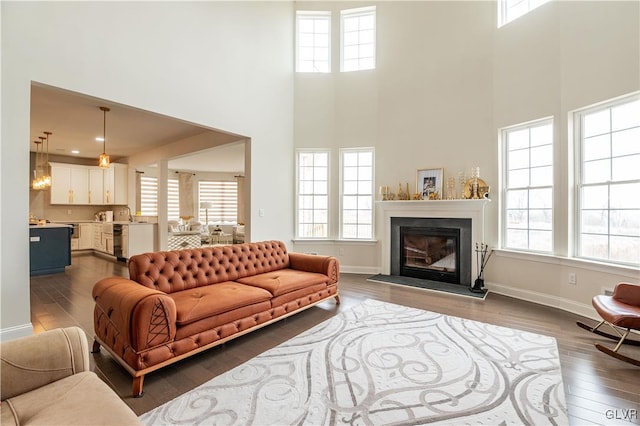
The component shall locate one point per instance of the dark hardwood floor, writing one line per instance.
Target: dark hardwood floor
(598, 388)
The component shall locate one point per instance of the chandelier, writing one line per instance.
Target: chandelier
(42, 177)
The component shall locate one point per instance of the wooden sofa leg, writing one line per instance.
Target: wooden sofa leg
(337, 299)
(96, 347)
(137, 386)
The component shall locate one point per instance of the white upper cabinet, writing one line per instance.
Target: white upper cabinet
(96, 186)
(77, 184)
(69, 184)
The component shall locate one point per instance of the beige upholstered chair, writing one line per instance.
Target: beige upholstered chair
(46, 381)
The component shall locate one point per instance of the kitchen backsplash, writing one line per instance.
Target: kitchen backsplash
(40, 208)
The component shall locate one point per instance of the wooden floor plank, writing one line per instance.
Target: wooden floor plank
(596, 386)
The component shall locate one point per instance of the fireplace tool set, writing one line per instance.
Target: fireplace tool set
(482, 258)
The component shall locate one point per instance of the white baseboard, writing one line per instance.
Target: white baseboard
(545, 299)
(372, 270)
(15, 332)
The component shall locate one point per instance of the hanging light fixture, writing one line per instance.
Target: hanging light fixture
(46, 176)
(35, 183)
(103, 160)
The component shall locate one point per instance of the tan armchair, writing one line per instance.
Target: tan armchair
(46, 381)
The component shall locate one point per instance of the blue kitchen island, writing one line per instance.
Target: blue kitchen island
(49, 248)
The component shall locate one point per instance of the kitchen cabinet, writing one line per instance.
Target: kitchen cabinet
(96, 186)
(138, 238)
(116, 184)
(85, 240)
(89, 185)
(49, 249)
(69, 184)
(97, 236)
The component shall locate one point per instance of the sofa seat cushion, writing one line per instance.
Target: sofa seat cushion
(284, 280)
(203, 302)
(80, 399)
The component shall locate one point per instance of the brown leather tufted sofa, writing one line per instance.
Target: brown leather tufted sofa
(179, 303)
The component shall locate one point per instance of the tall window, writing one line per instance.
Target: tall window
(223, 196)
(313, 31)
(313, 194)
(358, 30)
(509, 10)
(609, 182)
(528, 190)
(357, 193)
(173, 199)
(149, 197)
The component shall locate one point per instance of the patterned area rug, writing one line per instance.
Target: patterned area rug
(385, 364)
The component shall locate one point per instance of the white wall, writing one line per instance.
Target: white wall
(446, 81)
(223, 65)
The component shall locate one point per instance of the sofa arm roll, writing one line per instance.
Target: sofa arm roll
(327, 265)
(34, 361)
(128, 314)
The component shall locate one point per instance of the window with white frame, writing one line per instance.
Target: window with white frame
(528, 187)
(222, 196)
(509, 10)
(149, 197)
(358, 36)
(313, 41)
(608, 181)
(357, 193)
(312, 194)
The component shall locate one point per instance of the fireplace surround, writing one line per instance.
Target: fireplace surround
(437, 249)
(472, 210)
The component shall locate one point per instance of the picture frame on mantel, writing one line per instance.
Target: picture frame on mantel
(429, 183)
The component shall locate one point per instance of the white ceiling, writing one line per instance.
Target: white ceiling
(75, 121)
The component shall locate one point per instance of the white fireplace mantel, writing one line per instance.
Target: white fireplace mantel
(461, 209)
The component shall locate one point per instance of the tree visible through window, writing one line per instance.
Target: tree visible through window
(528, 190)
(313, 194)
(357, 193)
(609, 182)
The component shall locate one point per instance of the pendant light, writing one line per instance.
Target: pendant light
(103, 161)
(35, 183)
(46, 176)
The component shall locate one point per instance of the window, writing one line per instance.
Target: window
(509, 10)
(313, 31)
(149, 197)
(357, 193)
(528, 189)
(608, 181)
(223, 196)
(173, 199)
(313, 194)
(358, 29)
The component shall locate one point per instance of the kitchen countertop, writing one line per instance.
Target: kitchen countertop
(117, 222)
(50, 225)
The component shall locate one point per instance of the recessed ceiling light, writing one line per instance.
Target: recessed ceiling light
(100, 139)
(75, 151)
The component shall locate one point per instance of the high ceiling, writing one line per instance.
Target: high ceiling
(76, 120)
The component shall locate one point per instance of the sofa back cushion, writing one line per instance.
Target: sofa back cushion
(171, 271)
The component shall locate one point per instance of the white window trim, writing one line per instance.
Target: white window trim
(503, 185)
(373, 194)
(297, 195)
(359, 12)
(502, 11)
(575, 183)
(311, 13)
